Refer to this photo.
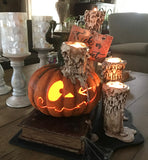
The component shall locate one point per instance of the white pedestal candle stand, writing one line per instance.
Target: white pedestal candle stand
(19, 96)
(40, 26)
(4, 89)
(15, 47)
(43, 55)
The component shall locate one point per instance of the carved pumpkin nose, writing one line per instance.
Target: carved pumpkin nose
(69, 95)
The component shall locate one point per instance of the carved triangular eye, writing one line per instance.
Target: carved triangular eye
(54, 92)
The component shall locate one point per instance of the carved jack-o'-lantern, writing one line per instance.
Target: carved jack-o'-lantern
(54, 94)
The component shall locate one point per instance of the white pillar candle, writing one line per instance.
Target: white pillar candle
(14, 33)
(75, 55)
(40, 26)
(114, 98)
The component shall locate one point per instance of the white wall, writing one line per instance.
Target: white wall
(45, 8)
(139, 6)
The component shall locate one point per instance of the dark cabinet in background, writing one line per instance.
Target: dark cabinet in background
(79, 8)
(12, 6)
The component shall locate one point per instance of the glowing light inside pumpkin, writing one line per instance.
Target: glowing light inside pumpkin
(77, 44)
(116, 84)
(40, 101)
(54, 91)
(114, 60)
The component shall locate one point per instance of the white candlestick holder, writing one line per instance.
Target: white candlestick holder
(43, 55)
(4, 89)
(19, 96)
(15, 47)
(40, 26)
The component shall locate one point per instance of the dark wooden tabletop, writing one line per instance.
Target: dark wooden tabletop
(137, 104)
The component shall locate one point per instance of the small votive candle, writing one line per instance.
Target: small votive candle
(112, 69)
(40, 26)
(14, 33)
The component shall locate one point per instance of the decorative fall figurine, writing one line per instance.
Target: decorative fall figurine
(70, 90)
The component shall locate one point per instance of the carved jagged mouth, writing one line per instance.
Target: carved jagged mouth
(40, 103)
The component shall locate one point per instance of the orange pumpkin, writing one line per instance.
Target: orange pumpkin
(53, 94)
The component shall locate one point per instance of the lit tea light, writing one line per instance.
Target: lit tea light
(112, 69)
(114, 99)
(95, 9)
(75, 48)
(114, 60)
(116, 84)
(77, 44)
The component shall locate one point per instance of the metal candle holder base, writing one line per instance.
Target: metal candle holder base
(19, 96)
(4, 89)
(43, 55)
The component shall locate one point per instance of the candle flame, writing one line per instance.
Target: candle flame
(95, 9)
(77, 44)
(114, 60)
(116, 84)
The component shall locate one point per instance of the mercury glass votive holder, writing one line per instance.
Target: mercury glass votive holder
(14, 32)
(40, 26)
